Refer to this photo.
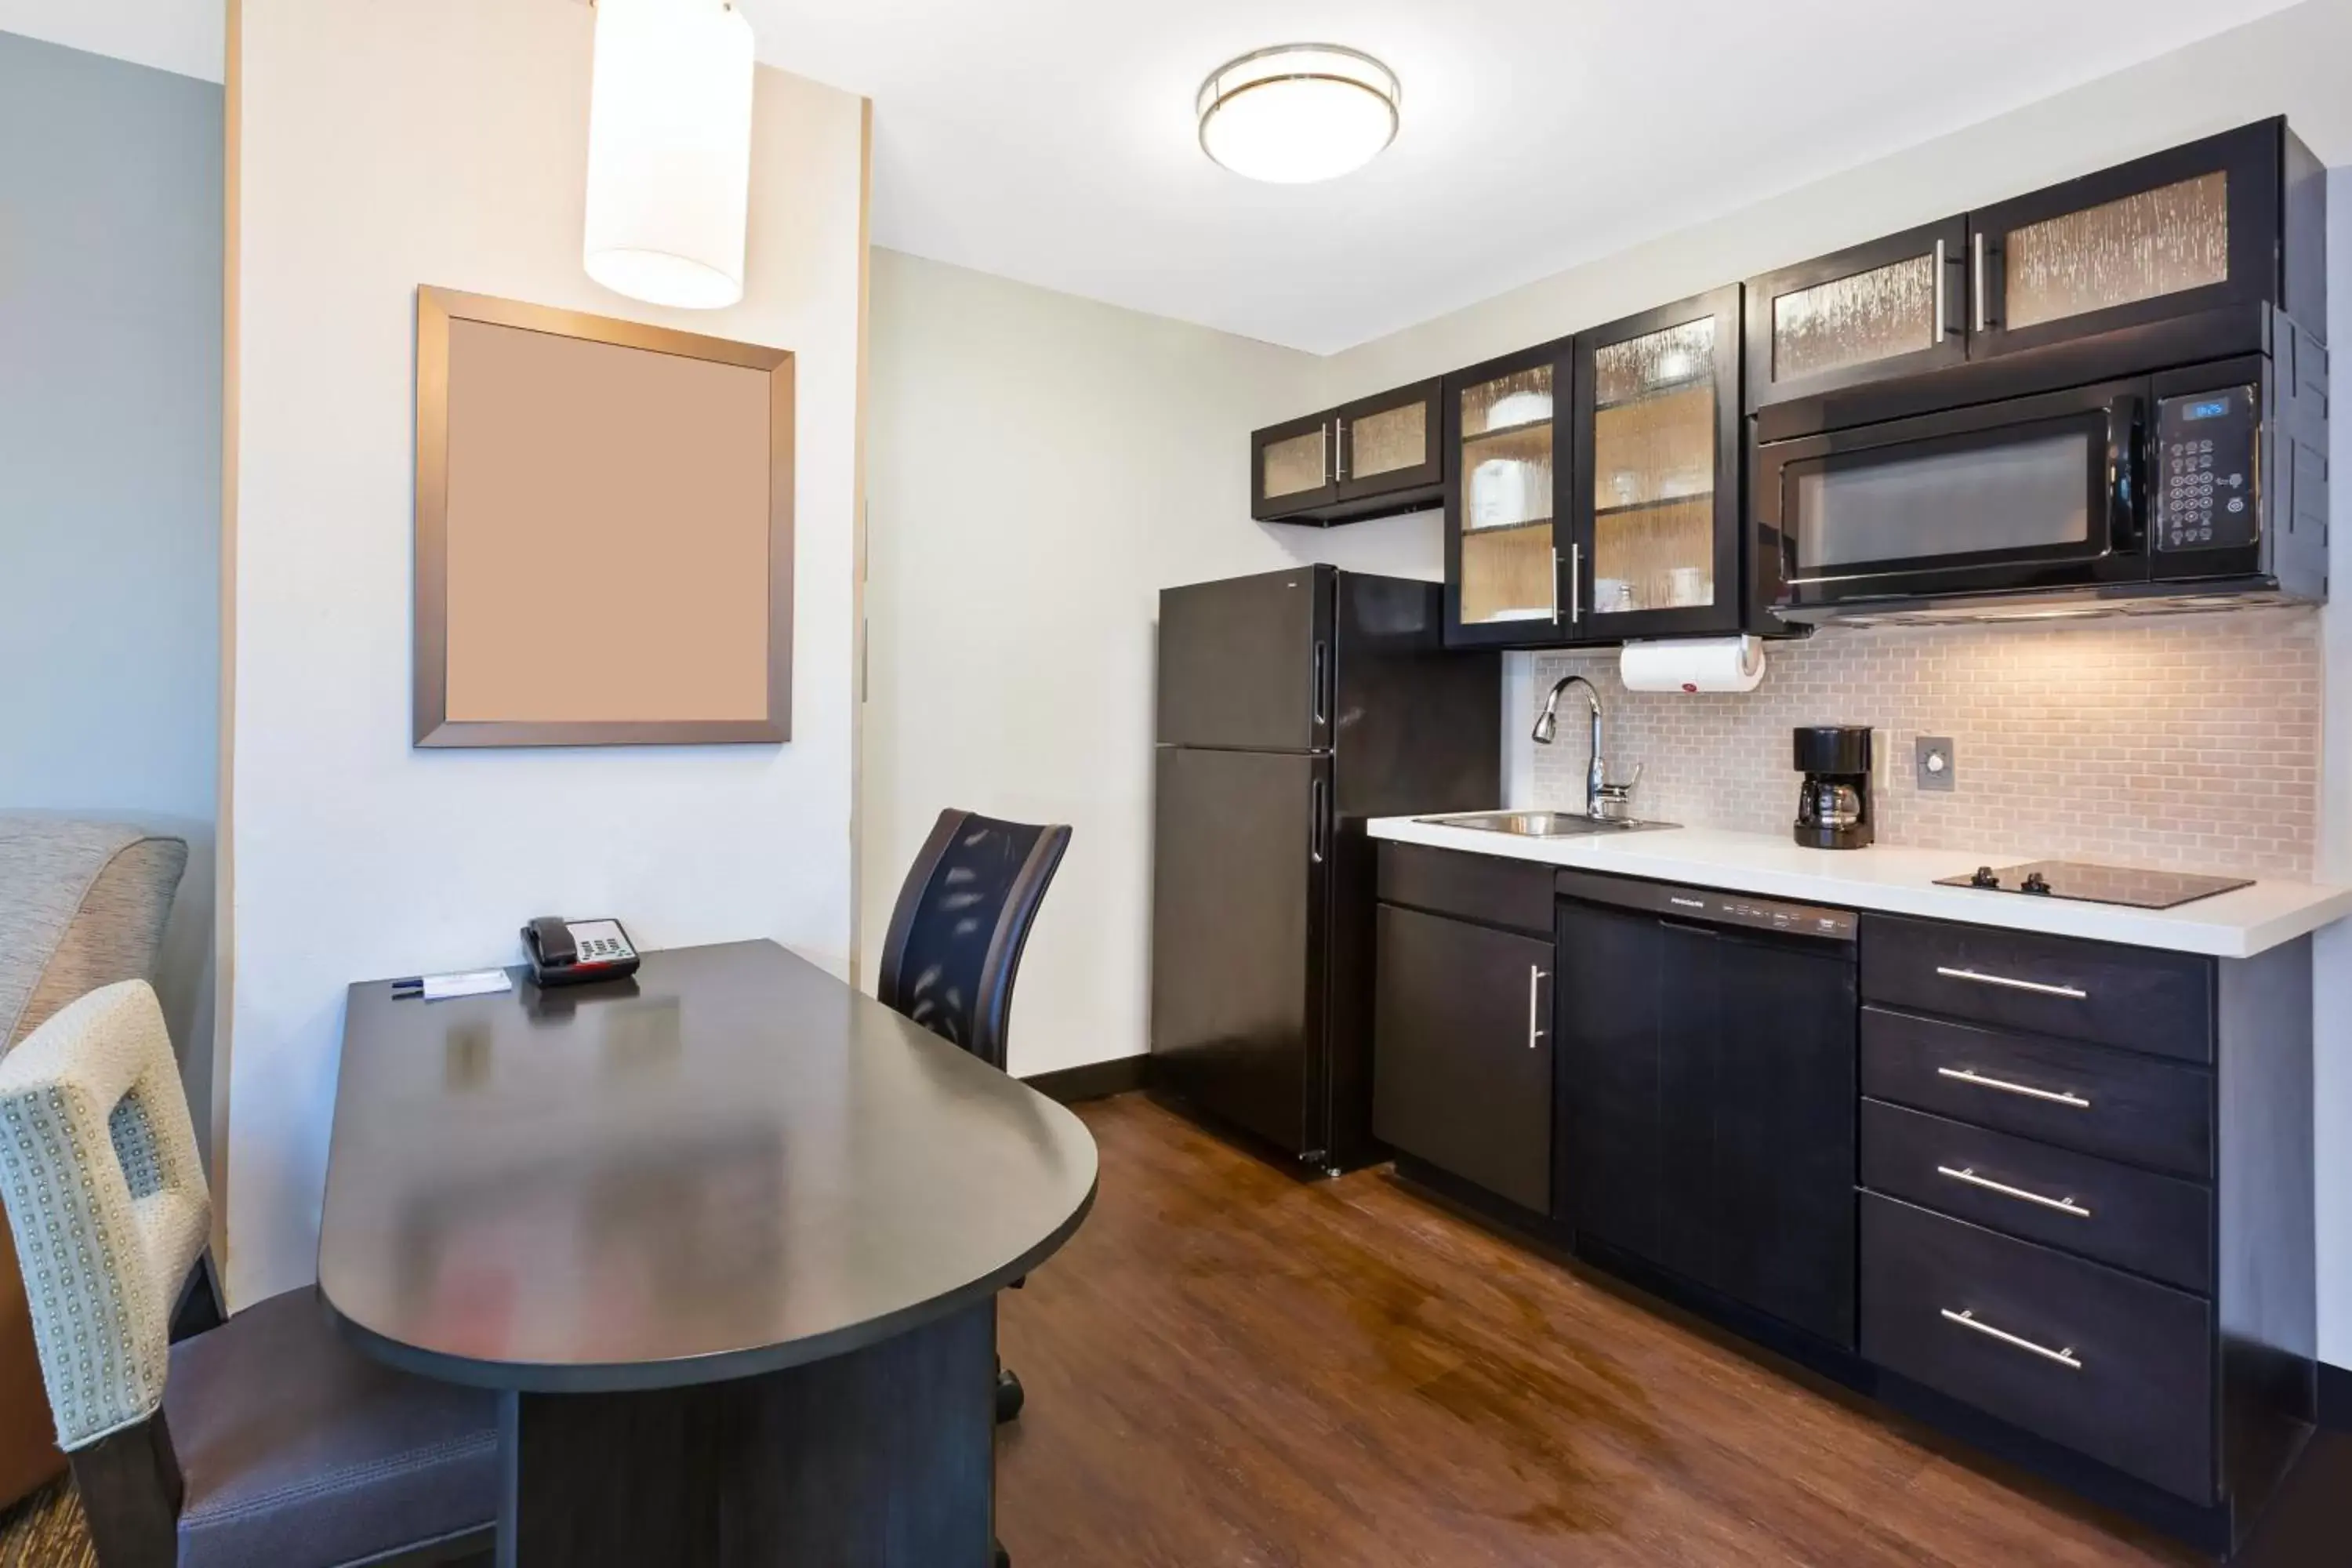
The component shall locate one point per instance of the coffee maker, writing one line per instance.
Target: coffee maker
(1833, 812)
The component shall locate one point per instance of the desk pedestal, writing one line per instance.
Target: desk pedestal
(882, 1458)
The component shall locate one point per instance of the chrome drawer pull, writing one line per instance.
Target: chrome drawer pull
(2055, 1097)
(2065, 1358)
(2036, 987)
(1536, 977)
(2064, 1206)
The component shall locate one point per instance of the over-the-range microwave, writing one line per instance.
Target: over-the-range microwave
(2204, 484)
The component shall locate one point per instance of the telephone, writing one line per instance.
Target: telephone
(573, 953)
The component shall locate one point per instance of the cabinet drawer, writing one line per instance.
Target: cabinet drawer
(2112, 1366)
(2158, 1226)
(1489, 888)
(2135, 998)
(2130, 1108)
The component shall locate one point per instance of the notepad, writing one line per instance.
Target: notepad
(472, 982)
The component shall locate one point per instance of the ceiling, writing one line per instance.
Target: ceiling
(1052, 141)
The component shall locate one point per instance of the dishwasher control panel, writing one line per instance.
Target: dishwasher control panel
(1711, 906)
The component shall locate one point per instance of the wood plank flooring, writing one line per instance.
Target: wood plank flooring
(1228, 1368)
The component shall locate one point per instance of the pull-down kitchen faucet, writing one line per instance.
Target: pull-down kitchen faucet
(1601, 799)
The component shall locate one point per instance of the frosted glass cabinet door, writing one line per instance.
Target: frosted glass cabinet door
(1893, 307)
(1504, 578)
(1293, 468)
(2163, 236)
(1656, 549)
(1390, 442)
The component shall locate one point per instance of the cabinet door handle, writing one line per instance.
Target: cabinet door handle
(2064, 1206)
(1331, 453)
(2055, 1097)
(2036, 987)
(1939, 291)
(1978, 241)
(2065, 1358)
(1554, 585)
(1537, 975)
(1340, 447)
(1575, 583)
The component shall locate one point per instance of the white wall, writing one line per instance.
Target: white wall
(442, 141)
(1040, 467)
(110, 468)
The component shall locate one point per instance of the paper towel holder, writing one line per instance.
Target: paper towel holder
(1691, 665)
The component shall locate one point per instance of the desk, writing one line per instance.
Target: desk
(727, 1239)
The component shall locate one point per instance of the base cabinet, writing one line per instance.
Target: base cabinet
(1461, 1051)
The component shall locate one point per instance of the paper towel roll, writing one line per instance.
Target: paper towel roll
(1707, 664)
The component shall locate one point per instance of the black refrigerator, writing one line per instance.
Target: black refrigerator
(1293, 707)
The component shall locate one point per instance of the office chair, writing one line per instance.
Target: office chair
(955, 940)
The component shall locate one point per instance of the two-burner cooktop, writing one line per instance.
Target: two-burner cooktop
(2097, 884)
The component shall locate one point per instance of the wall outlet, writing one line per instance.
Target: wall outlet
(1937, 765)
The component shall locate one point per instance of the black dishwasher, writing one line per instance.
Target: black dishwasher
(1706, 1060)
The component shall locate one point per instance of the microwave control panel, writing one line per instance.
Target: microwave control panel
(2207, 478)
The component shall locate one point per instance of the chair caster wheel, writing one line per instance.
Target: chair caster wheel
(1009, 1397)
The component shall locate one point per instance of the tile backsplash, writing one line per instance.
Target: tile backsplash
(2183, 741)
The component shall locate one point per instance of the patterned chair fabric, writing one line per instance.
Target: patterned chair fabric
(106, 1201)
(960, 922)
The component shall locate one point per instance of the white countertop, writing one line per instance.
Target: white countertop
(2237, 924)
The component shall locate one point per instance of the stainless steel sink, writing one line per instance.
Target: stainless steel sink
(1545, 824)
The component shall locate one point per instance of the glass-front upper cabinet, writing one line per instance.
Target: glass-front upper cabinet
(1655, 547)
(1892, 307)
(1293, 468)
(1368, 458)
(1505, 426)
(2186, 230)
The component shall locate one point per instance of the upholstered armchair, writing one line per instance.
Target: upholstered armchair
(82, 905)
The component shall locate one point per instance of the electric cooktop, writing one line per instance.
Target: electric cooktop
(2097, 884)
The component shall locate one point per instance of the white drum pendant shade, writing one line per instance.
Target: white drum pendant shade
(669, 151)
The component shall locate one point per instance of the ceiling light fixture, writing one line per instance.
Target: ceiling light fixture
(1298, 112)
(669, 151)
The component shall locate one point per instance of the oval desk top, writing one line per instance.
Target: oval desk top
(730, 1163)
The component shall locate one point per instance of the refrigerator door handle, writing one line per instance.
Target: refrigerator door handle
(1316, 818)
(1322, 707)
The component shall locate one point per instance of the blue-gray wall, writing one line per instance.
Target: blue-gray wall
(110, 211)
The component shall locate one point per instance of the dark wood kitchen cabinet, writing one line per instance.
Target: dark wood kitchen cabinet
(1462, 1049)
(1658, 546)
(1507, 530)
(2168, 259)
(1595, 493)
(2088, 1202)
(1372, 458)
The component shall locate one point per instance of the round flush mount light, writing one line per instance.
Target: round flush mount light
(1298, 112)
(669, 151)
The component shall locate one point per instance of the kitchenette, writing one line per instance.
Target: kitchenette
(1872, 907)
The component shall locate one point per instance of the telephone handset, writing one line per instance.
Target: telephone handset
(573, 953)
